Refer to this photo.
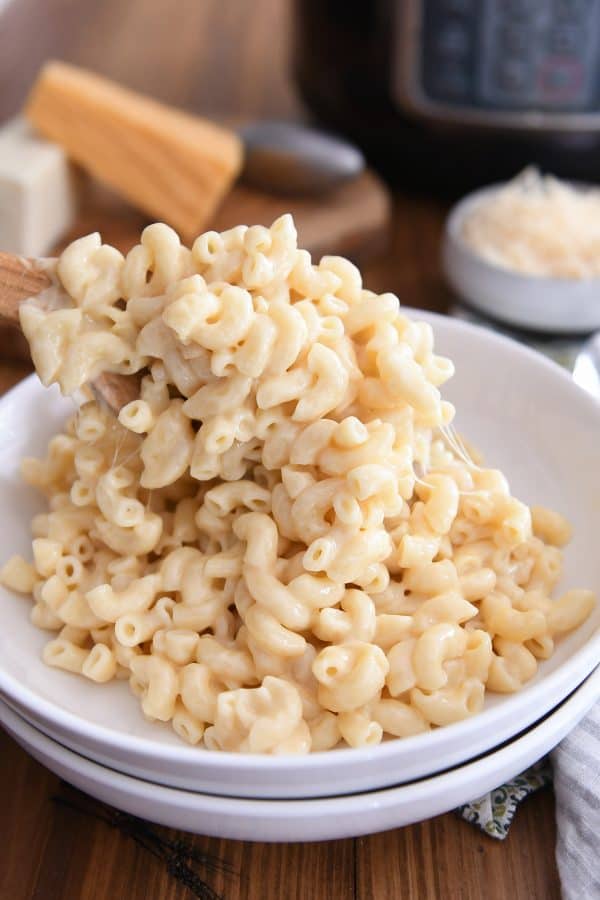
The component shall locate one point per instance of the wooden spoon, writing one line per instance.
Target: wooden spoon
(22, 278)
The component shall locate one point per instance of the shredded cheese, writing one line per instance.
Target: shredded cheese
(538, 225)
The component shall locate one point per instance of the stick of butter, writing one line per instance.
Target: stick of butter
(174, 166)
(37, 196)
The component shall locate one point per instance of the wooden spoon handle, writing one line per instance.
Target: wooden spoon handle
(116, 390)
(19, 278)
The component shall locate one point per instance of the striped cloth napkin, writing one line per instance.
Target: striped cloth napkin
(574, 768)
(576, 764)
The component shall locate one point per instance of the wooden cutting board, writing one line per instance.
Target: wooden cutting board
(352, 221)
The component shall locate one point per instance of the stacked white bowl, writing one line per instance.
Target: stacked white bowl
(530, 420)
(540, 303)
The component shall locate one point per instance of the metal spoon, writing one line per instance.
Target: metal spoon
(586, 371)
(289, 158)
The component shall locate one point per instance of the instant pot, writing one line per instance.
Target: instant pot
(455, 93)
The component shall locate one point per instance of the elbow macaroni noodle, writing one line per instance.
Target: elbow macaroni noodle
(280, 544)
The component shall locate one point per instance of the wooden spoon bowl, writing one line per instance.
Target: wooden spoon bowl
(22, 278)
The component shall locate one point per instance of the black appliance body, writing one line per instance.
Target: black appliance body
(456, 93)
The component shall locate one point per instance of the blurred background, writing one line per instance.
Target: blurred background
(223, 60)
(441, 95)
(213, 57)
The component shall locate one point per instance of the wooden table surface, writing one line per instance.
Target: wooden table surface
(226, 57)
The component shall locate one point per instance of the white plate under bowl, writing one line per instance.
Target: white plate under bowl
(526, 415)
(555, 305)
(306, 820)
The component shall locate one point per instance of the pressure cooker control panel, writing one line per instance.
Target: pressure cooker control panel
(510, 55)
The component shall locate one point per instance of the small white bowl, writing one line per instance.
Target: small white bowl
(527, 417)
(307, 820)
(553, 305)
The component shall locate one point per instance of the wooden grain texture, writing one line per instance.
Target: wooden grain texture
(13, 346)
(212, 57)
(175, 167)
(19, 278)
(56, 846)
(11, 372)
(443, 859)
(216, 57)
(353, 221)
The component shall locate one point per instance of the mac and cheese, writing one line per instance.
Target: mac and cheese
(281, 544)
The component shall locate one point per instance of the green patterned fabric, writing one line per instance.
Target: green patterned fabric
(494, 812)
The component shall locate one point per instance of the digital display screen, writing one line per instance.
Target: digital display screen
(511, 54)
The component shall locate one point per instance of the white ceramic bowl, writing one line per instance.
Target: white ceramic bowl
(527, 416)
(555, 305)
(307, 820)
